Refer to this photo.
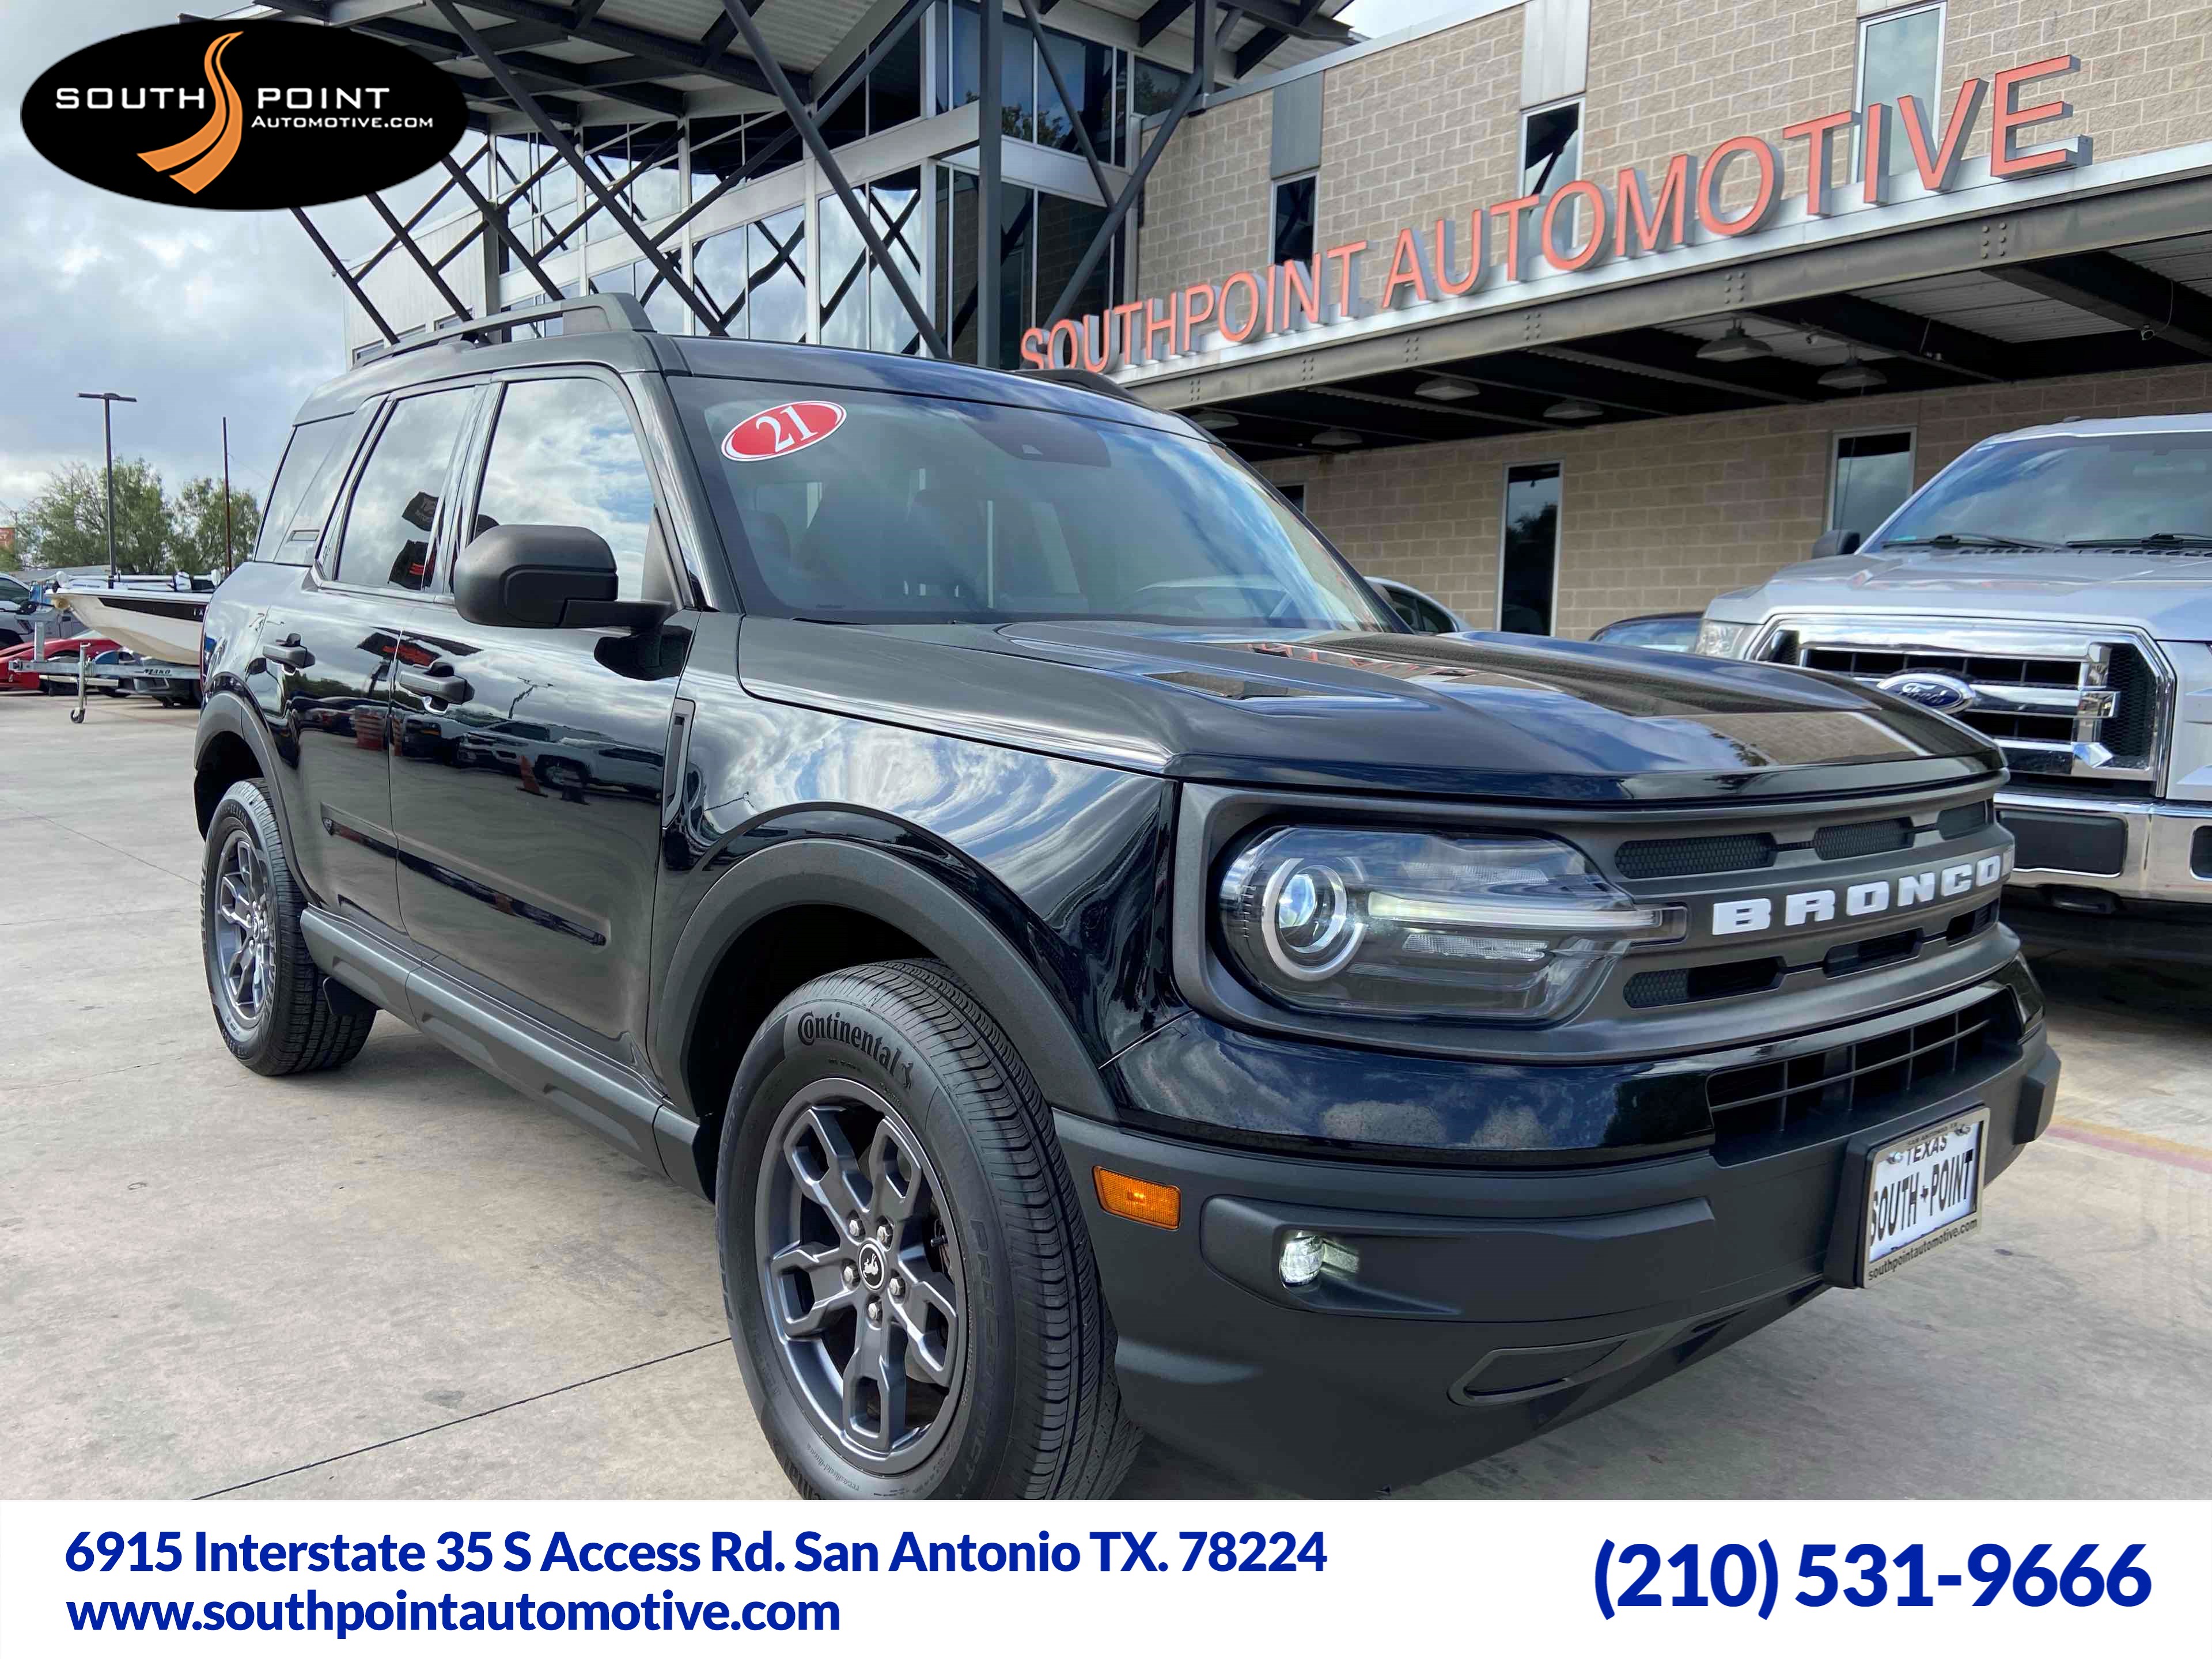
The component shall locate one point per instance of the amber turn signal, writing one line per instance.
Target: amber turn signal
(1153, 1202)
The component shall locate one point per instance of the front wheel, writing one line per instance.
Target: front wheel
(908, 1277)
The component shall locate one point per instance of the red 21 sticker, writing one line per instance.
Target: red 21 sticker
(783, 430)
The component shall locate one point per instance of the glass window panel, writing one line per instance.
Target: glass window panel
(894, 84)
(300, 500)
(622, 279)
(777, 290)
(388, 536)
(1063, 231)
(1152, 86)
(895, 201)
(955, 240)
(656, 193)
(718, 149)
(564, 453)
(1531, 550)
(1873, 475)
(1088, 69)
(1294, 220)
(663, 304)
(959, 511)
(1551, 148)
(720, 267)
(957, 50)
(1016, 286)
(843, 263)
(1897, 57)
(771, 142)
(1017, 79)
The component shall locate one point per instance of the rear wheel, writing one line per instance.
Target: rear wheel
(272, 1002)
(908, 1279)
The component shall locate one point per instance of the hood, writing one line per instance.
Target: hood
(1471, 716)
(2169, 594)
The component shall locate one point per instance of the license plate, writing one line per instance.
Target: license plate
(1923, 1191)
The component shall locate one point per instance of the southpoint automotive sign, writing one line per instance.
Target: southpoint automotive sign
(1577, 226)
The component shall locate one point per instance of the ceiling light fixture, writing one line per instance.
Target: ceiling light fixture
(1572, 408)
(1853, 375)
(1215, 420)
(1735, 347)
(1439, 389)
(1335, 438)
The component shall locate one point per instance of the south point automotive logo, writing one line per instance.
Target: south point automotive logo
(243, 115)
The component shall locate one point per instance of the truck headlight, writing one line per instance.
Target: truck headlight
(1719, 639)
(1498, 928)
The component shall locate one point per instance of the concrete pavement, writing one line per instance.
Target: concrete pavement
(404, 1280)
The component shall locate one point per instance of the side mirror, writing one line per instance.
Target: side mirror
(536, 575)
(1836, 544)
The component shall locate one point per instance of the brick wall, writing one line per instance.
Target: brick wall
(1662, 515)
(1424, 131)
(1207, 202)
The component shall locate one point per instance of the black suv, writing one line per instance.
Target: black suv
(1107, 972)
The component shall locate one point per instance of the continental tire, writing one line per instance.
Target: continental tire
(269, 996)
(908, 1279)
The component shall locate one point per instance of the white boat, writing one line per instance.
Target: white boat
(157, 616)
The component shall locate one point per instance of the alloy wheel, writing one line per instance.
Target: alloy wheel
(245, 930)
(860, 1275)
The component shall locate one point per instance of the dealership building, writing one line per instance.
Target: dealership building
(1560, 310)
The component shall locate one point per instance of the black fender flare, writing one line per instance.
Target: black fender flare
(882, 885)
(226, 712)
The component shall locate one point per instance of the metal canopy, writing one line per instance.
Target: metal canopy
(640, 67)
(2087, 291)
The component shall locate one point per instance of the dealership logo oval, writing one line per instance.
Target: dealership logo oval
(243, 115)
(783, 430)
(1939, 692)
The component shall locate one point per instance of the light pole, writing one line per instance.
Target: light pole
(107, 400)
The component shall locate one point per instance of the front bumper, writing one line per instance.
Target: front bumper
(2118, 876)
(1488, 1305)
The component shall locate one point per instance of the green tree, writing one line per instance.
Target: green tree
(65, 524)
(195, 524)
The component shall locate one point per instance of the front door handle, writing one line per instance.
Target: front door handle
(290, 651)
(440, 683)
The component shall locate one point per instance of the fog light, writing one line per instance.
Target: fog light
(1304, 1255)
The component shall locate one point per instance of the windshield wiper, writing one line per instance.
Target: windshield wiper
(1960, 539)
(2156, 538)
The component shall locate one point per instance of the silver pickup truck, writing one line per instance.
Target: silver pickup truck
(2052, 589)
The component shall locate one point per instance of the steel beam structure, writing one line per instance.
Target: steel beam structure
(423, 212)
(494, 214)
(1119, 209)
(1068, 102)
(423, 263)
(2105, 285)
(331, 257)
(827, 160)
(1877, 327)
(990, 128)
(552, 135)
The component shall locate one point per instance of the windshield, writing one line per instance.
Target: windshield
(854, 506)
(2055, 490)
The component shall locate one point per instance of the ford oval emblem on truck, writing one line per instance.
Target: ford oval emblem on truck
(1937, 692)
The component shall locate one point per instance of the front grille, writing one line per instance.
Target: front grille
(1695, 855)
(1956, 821)
(1864, 1079)
(2063, 705)
(1858, 841)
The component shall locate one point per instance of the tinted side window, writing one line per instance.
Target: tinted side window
(307, 482)
(564, 453)
(386, 540)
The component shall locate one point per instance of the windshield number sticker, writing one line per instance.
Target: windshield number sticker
(783, 430)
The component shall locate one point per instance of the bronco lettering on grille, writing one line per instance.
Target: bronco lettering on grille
(1817, 906)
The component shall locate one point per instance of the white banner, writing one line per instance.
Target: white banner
(1246, 1579)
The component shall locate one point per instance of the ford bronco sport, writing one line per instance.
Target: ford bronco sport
(1108, 974)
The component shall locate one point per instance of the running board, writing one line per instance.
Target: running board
(522, 1055)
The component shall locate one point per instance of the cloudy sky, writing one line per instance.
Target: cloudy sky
(198, 315)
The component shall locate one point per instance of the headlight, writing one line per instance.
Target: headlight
(1719, 639)
(1495, 928)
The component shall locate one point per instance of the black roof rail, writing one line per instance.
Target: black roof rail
(593, 314)
(1087, 379)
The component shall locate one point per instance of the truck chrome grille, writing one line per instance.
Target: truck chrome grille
(1751, 1104)
(2063, 705)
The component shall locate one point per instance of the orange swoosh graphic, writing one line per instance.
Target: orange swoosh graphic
(216, 143)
